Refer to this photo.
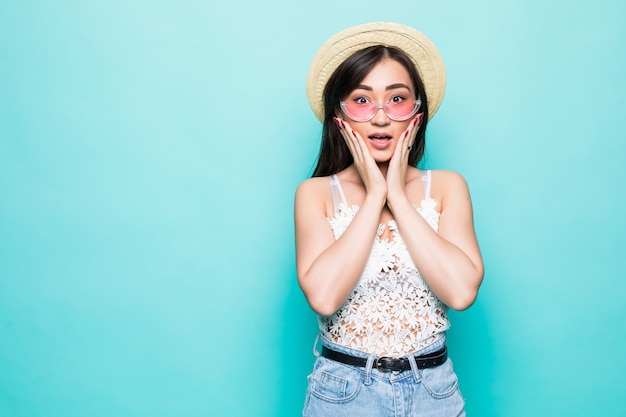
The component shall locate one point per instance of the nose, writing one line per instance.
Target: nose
(380, 117)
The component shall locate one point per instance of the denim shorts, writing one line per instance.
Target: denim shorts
(336, 389)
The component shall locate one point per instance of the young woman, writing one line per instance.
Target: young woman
(383, 248)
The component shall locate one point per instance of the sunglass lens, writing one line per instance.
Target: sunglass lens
(360, 111)
(401, 110)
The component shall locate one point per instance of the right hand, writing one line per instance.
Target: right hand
(366, 166)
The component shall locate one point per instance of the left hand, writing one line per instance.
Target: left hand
(398, 165)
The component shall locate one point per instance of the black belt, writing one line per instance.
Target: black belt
(386, 364)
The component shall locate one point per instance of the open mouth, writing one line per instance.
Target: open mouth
(380, 141)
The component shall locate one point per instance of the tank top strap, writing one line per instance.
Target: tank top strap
(337, 191)
(426, 176)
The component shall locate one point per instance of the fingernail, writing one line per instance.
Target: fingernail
(337, 121)
(354, 133)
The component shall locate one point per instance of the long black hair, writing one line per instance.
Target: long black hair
(334, 154)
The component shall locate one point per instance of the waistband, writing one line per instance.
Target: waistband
(387, 364)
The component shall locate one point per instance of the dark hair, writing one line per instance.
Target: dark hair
(334, 153)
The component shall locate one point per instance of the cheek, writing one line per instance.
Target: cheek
(359, 130)
(405, 125)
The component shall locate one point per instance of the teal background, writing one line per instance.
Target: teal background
(149, 153)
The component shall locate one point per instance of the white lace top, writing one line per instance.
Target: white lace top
(391, 311)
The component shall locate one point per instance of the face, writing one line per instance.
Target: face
(387, 82)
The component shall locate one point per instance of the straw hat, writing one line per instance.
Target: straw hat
(335, 50)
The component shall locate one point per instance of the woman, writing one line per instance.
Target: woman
(383, 248)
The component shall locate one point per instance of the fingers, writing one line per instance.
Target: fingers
(412, 130)
(365, 164)
(398, 164)
(353, 141)
(407, 139)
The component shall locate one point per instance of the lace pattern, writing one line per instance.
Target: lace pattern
(391, 311)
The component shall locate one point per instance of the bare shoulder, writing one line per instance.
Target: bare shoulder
(312, 195)
(444, 177)
(449, 185)
(312, 187)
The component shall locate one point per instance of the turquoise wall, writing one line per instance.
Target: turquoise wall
(149, 153)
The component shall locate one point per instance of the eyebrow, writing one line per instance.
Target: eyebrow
(389, 87)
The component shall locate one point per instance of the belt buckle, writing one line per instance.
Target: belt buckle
(379, 364)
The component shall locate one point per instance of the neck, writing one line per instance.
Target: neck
(383, 166)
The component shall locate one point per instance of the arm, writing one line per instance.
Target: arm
(329, 269)
(449, 261)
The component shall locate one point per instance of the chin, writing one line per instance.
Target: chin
(381, 155)
(381, 160)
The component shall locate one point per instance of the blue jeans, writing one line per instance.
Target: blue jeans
(342, 390)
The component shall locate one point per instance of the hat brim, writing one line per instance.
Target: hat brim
(415, 44)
